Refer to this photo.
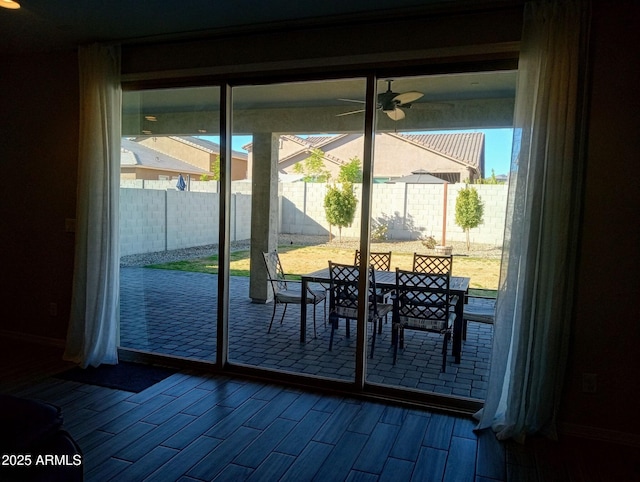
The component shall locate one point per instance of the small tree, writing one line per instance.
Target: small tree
(215, 168)
(351, 171)
(312, 168)
(469, 210)
(340, 206)
(489, 180)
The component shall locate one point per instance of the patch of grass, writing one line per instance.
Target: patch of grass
(298, 260)
(239, 264)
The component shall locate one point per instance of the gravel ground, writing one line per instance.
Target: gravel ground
(459, 249)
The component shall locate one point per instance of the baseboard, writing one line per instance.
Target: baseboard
(600, 434)
(38, 340)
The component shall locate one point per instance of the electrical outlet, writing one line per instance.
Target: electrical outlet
(589, 382)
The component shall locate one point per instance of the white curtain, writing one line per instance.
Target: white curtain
(92, 336)
(535, 297)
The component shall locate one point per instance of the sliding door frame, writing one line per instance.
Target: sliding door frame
(360, 386)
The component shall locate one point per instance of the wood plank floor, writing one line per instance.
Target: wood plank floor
(198, 427)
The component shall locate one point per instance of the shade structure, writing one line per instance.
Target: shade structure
(420, 177)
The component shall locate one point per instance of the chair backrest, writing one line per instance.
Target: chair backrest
(432, 264)
(380, 261)
(275, 271)
(423, 300)
(343, 297)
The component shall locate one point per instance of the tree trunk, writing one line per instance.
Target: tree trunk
(468, 244)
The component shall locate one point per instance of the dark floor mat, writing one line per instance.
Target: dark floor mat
(130, 377)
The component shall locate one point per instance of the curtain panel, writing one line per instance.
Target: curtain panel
(534, 304)
(92, 337)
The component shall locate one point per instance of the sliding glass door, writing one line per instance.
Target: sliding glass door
(306, 178)
(425, 156)
(300, 144)
(169, 218)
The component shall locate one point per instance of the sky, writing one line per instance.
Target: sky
(497, 145)
(497, 148)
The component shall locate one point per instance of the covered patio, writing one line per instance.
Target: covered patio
(174, 313)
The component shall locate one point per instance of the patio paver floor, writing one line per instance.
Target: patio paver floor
(174, 313)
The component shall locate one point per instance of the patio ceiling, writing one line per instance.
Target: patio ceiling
(462, 101)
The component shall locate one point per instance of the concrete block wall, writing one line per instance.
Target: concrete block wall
(240, 225)
(156, 220)
(142, 221)
(410, 211)
(192, 219)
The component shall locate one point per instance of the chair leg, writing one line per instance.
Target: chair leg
(272, 316)
(445, 344)
(395, 336)
(283, 312)
(314, 321)
(373, 338)
(333, 321)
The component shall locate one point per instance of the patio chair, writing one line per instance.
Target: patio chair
(287, 291)
(422, 302)
(480, 309)
(382, 262)
(343, 300)
(379, 261)
(432, 264)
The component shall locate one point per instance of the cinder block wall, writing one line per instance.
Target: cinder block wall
(165, 219)
(142, 221)
(408, 210)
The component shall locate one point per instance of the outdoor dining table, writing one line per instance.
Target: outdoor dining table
(459, 287)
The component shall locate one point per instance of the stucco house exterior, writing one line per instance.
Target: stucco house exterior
(453, 157)
(166, 157)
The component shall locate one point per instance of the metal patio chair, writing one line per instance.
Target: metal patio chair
(422, 302)
(480, 309)
(380, 261)
(287, 291)
(432, 264)
(343, 300)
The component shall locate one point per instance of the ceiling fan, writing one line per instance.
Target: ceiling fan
(390, 102)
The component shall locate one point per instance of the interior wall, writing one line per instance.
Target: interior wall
(606, 333)
(341, 44)
(38, 155)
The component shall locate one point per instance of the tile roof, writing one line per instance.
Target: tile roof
(133, 153)
(209, 146)
(467, 147)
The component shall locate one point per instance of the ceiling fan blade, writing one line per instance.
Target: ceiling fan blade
(353, 100)
(349, 113)
(407, 97)
(396, 114)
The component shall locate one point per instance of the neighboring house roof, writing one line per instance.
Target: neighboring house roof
(462, 148)
(134, 154)
(467, 147)
(209, 146)
(314, 142)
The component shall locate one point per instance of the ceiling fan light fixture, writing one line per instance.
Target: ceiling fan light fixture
(10, 4)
